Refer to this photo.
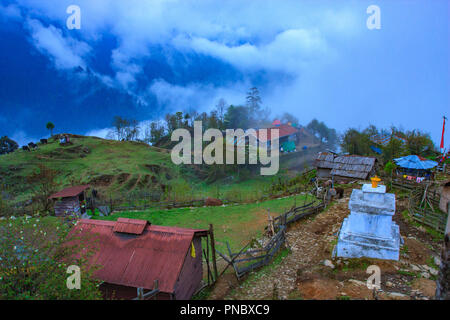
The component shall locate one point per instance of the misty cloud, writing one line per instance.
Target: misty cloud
(65, 52)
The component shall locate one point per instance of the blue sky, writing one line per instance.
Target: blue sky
(140, 59)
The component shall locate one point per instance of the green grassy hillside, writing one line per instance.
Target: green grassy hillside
(112, 166)
(128, 171)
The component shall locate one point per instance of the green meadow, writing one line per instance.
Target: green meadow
(236, 224)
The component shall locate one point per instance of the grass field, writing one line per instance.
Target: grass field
(236, 224)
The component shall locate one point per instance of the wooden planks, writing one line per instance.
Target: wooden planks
(422, 203)
(244, 262)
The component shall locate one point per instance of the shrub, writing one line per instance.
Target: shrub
(34, 257)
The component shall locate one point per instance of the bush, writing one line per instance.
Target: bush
(34, 257)
(5, 209)
(389, 168)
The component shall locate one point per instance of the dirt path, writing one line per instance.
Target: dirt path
(308, 272)
(310, 242)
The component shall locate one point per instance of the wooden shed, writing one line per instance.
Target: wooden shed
(353, 167)
(344, 167)
(69, 201)
(324, 163)
(133, 256)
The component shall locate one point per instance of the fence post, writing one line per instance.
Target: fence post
(447, 227)
(140, 293)
(213, 250)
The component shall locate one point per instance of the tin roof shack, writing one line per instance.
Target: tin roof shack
(353, 167)
(286, 133)
(70, 201)
(414, 165)
(132, 254)
(324, 163)
(346, 167)
(445, 197)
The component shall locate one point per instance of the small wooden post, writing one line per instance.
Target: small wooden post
(207, 261)
(447, 228)
(269, 217)
(207, 265)
(213, 251)
(140, 293)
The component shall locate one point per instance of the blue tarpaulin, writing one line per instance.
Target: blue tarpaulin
(414, 162)
(375, 149)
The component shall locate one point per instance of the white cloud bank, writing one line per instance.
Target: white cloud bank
(66, 52)
(253, 35)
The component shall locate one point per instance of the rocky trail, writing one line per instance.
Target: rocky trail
(309, 272)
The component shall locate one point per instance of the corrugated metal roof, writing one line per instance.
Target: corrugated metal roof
(69, 192)
(384, 139)
(415, 162)
(133, 226)
(137, 260)
(283, 131)
(276, 122)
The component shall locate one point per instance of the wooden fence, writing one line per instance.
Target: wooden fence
(406, 185)
(245, 261)
(159, 205)
(295, 214)
(423, 207)
(289, 188)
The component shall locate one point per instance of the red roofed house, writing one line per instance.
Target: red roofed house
(69, 201)
(133, 254)
(276, 122)
(285, 133)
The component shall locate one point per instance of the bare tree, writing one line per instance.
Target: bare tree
(221, 108)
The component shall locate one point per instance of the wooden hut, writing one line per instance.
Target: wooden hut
(69, 201)
(415, 167)
(133, 256)
(353, 167)
(324, 163)
(345, 167)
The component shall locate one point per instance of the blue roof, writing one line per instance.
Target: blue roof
(414, 162)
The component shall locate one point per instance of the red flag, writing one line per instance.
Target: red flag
(442, 138)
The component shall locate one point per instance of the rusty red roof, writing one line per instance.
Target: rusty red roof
(283, 130)
(158, 253)
(69, 192)
(133, 226)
